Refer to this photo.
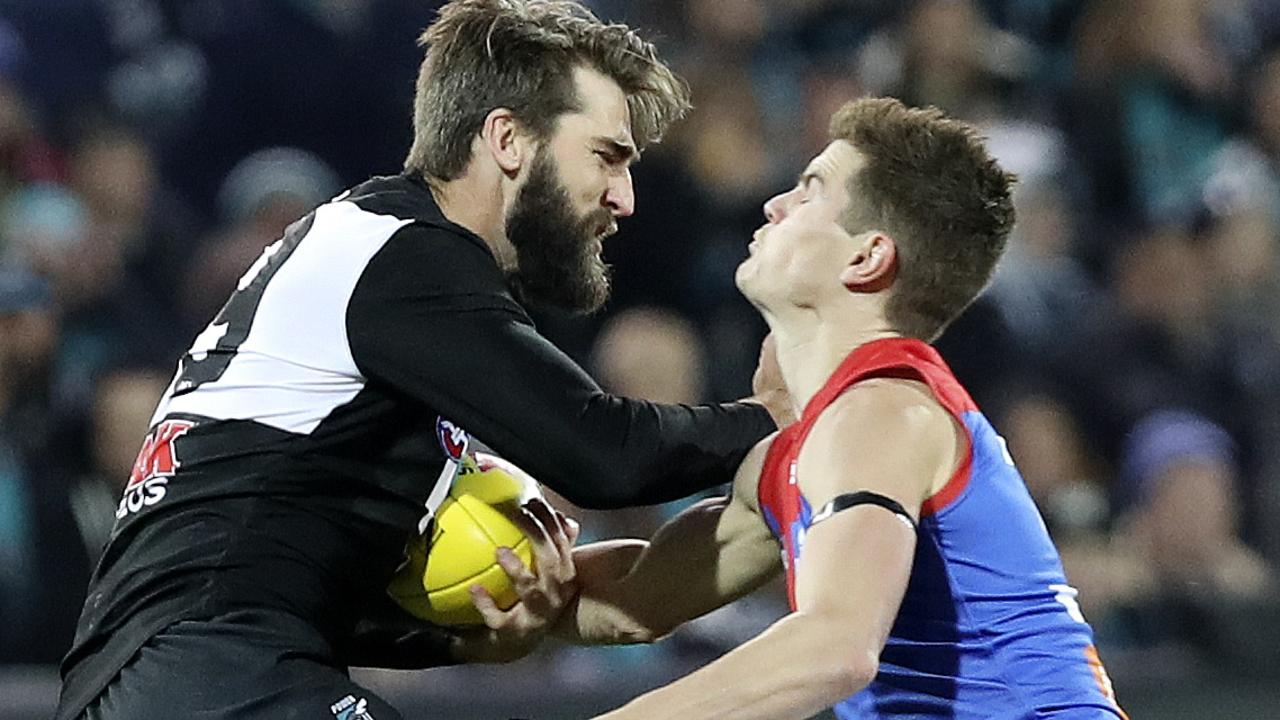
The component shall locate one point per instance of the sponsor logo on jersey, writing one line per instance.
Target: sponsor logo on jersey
(453, 439)
(349, 708)
(157, 462)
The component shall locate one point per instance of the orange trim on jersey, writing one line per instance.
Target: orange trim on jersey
(1100, 676)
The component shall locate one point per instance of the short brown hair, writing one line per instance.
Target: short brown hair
(930, 184)
(520, 54)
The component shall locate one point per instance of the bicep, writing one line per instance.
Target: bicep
(854, 573)
(891, 441)
(493, 375)
(749, 555)
(501, 381)
(430, 320)
(710, 554)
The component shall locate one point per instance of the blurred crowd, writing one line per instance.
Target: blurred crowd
(1129, 347)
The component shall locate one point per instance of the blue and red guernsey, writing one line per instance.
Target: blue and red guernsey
(989, 627)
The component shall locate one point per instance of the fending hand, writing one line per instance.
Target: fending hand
(769, 388)
(543, 592)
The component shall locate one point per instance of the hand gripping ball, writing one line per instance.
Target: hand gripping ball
(458, 549)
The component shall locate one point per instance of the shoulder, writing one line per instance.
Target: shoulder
(885, 434)
(424, 266)
(441, 243)
(398, 196)
(885, 406)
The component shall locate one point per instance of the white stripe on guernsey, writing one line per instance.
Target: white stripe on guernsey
(295, 367)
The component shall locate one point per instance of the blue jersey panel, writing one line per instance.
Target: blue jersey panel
(989, 628)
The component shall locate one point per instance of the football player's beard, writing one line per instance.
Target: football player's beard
(557, 254)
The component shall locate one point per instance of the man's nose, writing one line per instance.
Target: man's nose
(775, 208)
(621, 195)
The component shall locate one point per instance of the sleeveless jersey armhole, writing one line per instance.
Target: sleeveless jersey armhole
(955, 403)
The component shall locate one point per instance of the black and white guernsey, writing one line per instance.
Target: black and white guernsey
(318, 418)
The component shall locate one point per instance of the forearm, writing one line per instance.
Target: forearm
(810, 667)
(709, 555)
(618, 603)
(431, 320)
(505, 384)
(599, 615)
(601, 451)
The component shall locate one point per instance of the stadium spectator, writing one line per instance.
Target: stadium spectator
(651, 354)
(1064, 478)
(1180, 492)
(259, 198)
(1177, 574)
(41, 574)
(208, 84)
(124, 399)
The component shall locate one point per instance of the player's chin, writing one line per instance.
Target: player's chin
(598, 289)
(586, 291)
(744, 276)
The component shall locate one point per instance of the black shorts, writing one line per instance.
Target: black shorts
(243, 665)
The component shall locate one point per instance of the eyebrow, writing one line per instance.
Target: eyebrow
(808, 175)
(620, 148)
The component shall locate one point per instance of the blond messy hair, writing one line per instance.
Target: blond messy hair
(520, 54)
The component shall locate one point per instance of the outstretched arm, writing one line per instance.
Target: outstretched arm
(707, 556)
(888, 438)
(430, 320)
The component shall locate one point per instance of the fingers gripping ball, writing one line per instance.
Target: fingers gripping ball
(458, 550)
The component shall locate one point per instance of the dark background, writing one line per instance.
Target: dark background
(1129, 348)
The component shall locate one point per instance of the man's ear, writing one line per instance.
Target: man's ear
(507, 141)
(873, 263)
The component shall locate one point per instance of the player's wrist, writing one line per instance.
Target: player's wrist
(566, 627)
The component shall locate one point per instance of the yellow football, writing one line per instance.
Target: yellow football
(458, 549)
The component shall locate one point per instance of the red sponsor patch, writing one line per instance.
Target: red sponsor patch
(157, 457)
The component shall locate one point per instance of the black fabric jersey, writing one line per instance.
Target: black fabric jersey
(318, 419)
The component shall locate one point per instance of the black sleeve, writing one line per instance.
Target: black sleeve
(431, 319)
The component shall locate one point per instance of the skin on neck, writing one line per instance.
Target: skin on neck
(812, 342)
(481, 198)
